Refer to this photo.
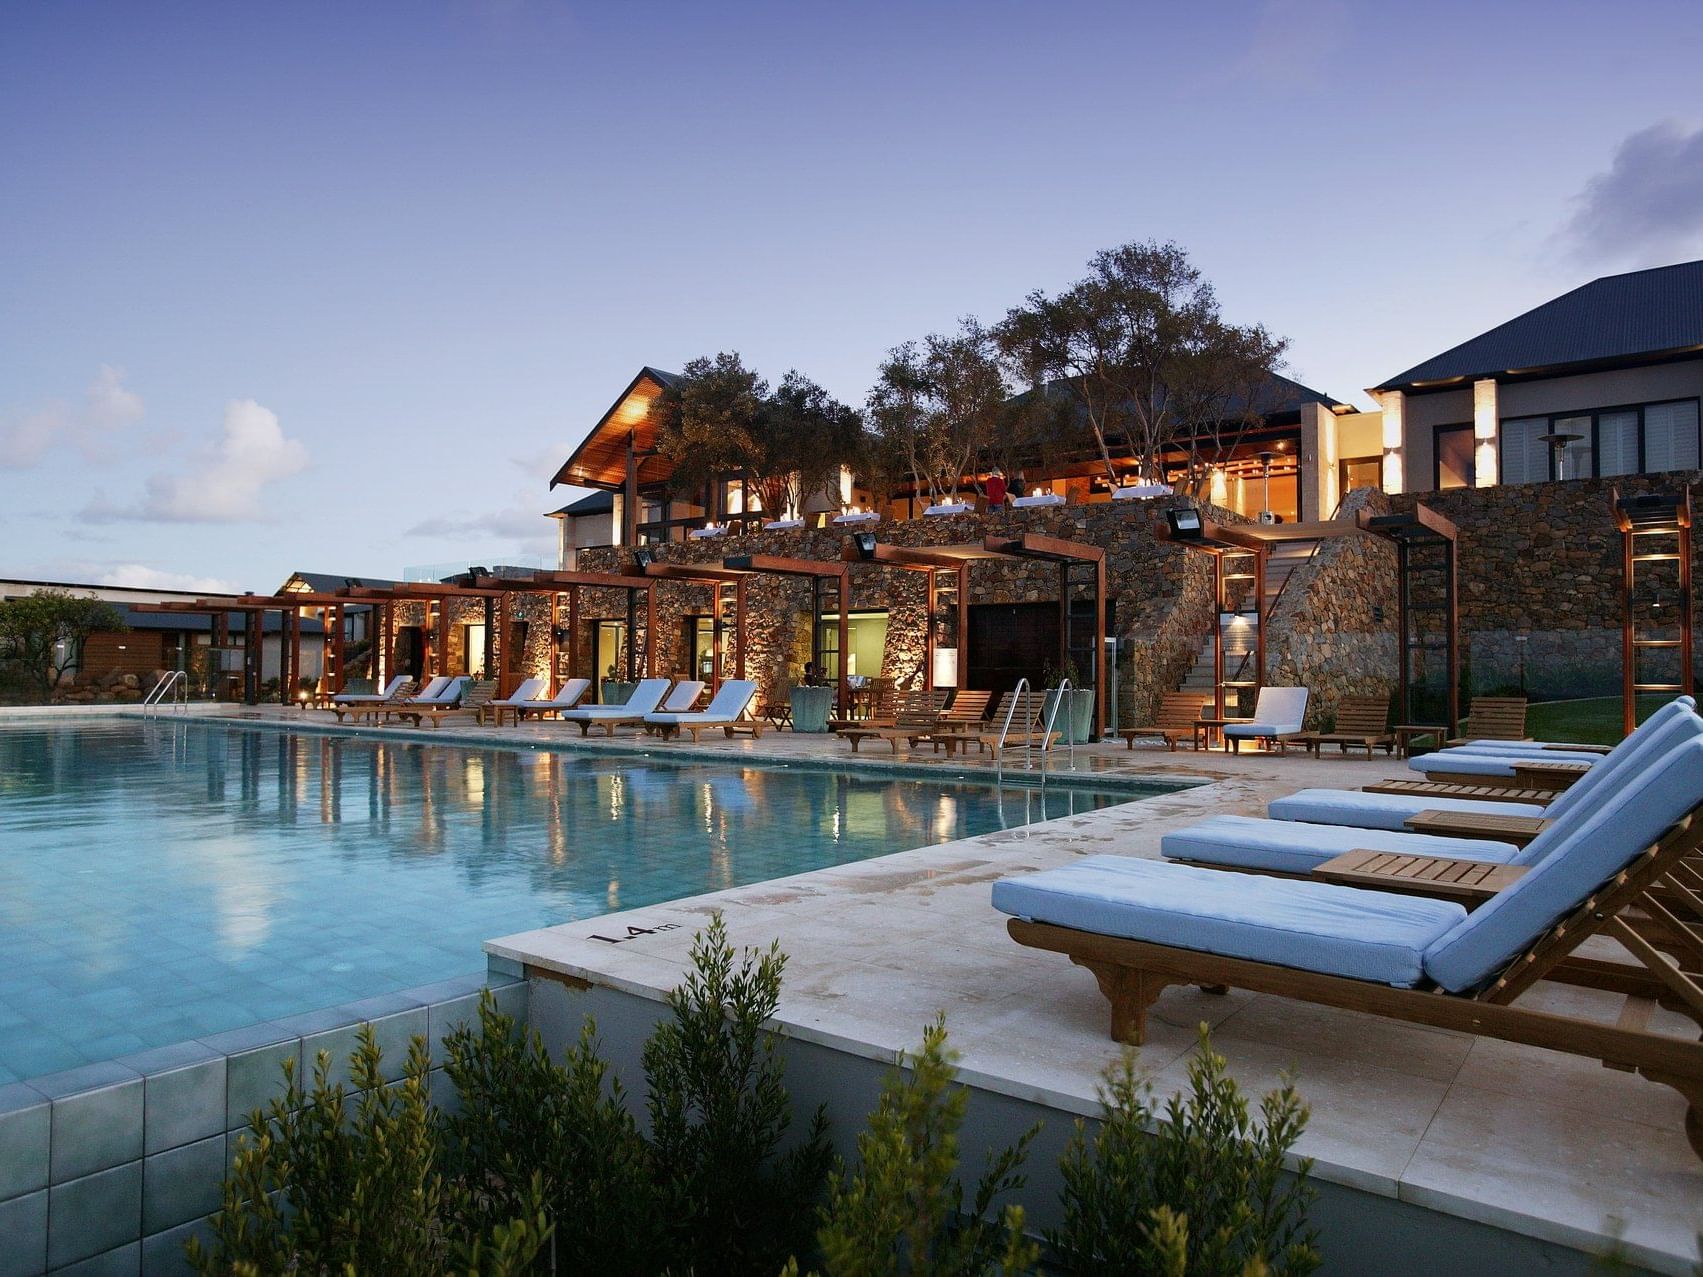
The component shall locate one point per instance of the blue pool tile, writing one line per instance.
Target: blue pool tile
(25, 1129)
(162, 1253)
(94, 1214)
(183, 1184)
(183, 1094)
(254, 1074)
(23, 1235)
(97, 1118)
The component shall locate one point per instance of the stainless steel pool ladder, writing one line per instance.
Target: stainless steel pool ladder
(174, 686)
(1046, 742)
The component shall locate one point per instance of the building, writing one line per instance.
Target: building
(581, 524)
(1602, 381)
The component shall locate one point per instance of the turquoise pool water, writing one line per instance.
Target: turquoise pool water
(165, 880)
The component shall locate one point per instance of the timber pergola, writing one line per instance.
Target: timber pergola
(1069, 556)
(1423, 530)
(253, 608)
(863, 548)
(1655, 531)
(556, 584)
(716, 578)
(1191, 528)
(817, 572)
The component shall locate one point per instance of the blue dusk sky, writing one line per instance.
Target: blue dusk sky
(336, 287)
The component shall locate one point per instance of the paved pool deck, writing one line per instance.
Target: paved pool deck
(1543, 1145)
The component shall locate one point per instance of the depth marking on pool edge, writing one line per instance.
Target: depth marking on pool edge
(634, 932)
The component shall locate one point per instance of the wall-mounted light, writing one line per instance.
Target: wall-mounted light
(865, 542)
(1185, 523)
(642, 559)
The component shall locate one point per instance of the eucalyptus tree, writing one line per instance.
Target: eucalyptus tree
(939, 403)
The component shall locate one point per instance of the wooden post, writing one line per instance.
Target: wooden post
(1259, 615)
(442, 644)
(385, 615)
(1218, 634)
(928, 634)
(739, 627)
(339, 643)
(963, 625)
(630, 497)
(650, 630)
(845, 640)
(573, 635)
(503, 626)
(1102, 665)
(493, 646)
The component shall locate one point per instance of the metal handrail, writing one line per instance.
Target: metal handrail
(1051, 718)
(177, 681)
(1262, 611)
(1010, 709)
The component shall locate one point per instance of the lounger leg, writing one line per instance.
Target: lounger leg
(1692, 1089)
(1130, 992)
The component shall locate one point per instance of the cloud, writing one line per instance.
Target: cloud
(543, 464)
(89, 428)
(139, 576)
(226, 485)
(1647, 208)
(1293, 40)
(531, 535)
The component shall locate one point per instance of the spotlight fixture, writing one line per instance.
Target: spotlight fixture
(1185, 523)
(865, 544)
(643, 558)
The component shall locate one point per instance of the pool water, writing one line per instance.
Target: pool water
(161, 881)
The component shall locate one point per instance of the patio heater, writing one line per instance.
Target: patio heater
(1559, 441)
(1266, 458)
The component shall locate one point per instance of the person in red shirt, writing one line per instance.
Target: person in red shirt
(996, 489)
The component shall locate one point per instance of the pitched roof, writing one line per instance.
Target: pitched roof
(330, 582)
(596, 503)
(600, 461)
(1642, 315)
(1277, 396)
(271, 621)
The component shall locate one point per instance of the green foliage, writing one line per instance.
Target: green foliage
(42, 634)
(1201, 1192)
(526, 1120)
(734, 1202)
(326, 1182)
(940, 404)
(903, 1210)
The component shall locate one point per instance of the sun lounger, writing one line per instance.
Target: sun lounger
(647, 696)
(525, 694)
(570, 694)
(1178, 712)
(1023, 711)
(731, 700)
(398, 689)
(1484, 768)
(1141, 926)
(373, 710)
(966, 713)
(682, 697)
(1493, 718)
(915, 714)
(1278, 712)
(1361, 721)
(447, 697)
(475, 696)
(1365, 809)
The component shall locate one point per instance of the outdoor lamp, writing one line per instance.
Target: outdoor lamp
(1185, 523)
(643, 558)
(865, 544)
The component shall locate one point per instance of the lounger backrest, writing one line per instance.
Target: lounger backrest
(647, 695)
(1283, 709)
(731, 698)
(1363, 715)
(1180, 709)
(1496, 718)
(684, 696)
(528, 689)
(456, 689)
(572, 691)
(395, 685)
(1609, 839)
(968, 706)
(1659, 733)
(432, 690)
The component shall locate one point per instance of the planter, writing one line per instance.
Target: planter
(615, 692)
(1030, 503)
(810, 707)
(1137, 491)
(1075, 718)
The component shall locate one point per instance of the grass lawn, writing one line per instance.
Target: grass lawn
(1594, 721)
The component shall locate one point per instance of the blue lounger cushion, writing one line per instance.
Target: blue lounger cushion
(1472, 762)
(1576, 857)
(1361, 810)
(725, 706)
(1364, 935)
(1286, 846)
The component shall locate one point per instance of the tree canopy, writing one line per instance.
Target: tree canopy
(939, 404)
(43, 633)
(721, 419)
(1146, 353)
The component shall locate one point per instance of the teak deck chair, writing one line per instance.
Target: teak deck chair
(570, 694)
(399, 689)
(1278, 712)
(1409, 960)
(1553, 771)
(646, 696)
(525, 694)
(475, 695)
(1361, 721)
(1023, 710)
(724, 711)
(915, 714)
(1493, 718)
(1174, 722)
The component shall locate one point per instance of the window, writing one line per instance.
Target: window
(1360, 472)
(1639, 439)
(1454, 457)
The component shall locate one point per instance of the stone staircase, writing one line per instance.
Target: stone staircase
(1240, 633)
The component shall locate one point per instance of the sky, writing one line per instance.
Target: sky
(337, 288)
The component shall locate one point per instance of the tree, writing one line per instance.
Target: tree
(44, 632)
(938, 405)
(720, 421)
(1143, 348)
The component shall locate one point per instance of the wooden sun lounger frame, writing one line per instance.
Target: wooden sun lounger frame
(1361, 721)
(1543, 775)
(1449, 789)
(1652, 908)
(1175, 721)
(358, 708)
(475, 697)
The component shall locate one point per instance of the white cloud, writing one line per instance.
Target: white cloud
(226, 485)
(529, 533)
(1647, 208)
(90, 428)
(139, 576)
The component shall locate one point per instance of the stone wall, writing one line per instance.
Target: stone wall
(1334, 627)
(1540, 583)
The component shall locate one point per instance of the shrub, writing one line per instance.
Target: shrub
(1203, 1191)
(719, 1112)
(902, 1212)
(323, 1184)
(524, 1117)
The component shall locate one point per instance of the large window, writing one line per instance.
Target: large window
(1454, 457)
(1639, 439)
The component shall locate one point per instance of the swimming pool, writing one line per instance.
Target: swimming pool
(164, 880)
